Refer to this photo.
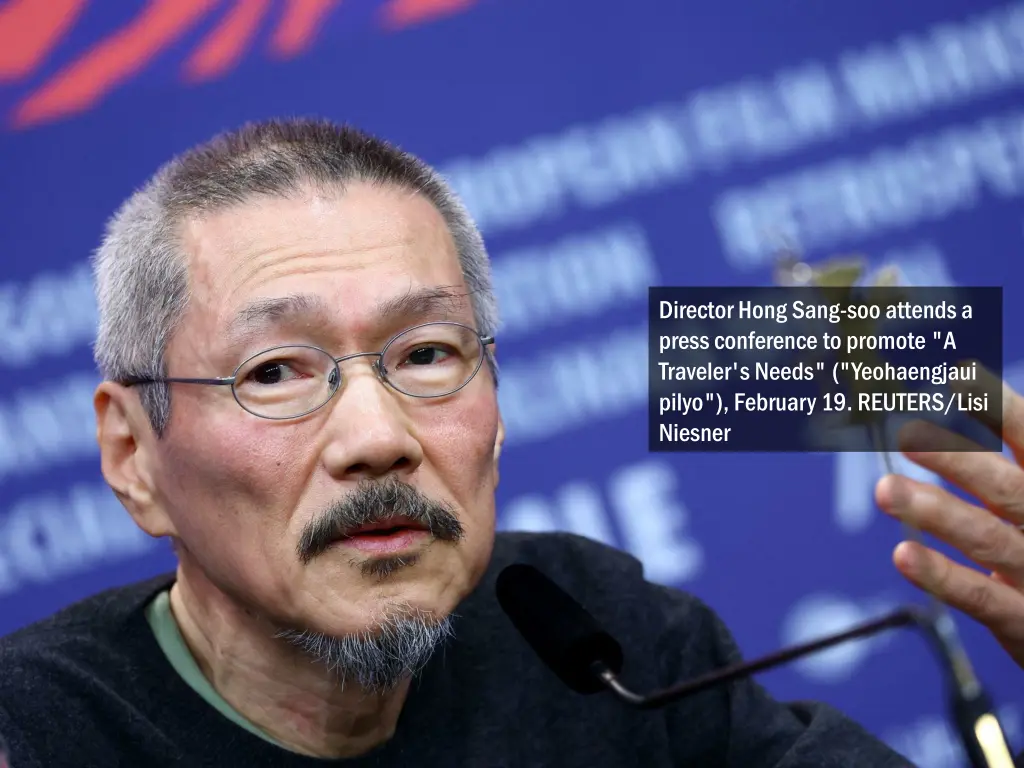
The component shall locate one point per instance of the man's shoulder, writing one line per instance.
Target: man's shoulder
(105, 615)
(91, 663)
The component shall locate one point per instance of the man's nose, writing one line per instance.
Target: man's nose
(370, 433)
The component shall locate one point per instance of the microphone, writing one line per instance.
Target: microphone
(572, 643)
(567, 638)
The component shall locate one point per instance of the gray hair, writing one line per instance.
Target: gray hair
(140, 269)
(399, 646)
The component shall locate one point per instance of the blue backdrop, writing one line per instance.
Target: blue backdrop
(604, 147)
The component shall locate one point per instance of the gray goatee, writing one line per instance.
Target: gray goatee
(398, 647)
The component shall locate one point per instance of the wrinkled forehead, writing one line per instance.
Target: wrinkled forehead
(369, 258)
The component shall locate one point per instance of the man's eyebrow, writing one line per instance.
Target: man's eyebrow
(436, 300)
(258, 314)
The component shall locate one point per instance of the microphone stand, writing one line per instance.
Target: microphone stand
(980, 732)
(902, 617)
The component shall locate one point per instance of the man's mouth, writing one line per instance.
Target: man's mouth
(386, 537)
(386, 528)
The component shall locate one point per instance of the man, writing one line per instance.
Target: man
(296, 335)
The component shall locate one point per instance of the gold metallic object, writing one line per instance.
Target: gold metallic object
(993, 742)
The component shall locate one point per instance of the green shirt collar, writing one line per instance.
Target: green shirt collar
(168, 635)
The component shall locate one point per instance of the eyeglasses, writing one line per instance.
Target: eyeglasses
(429, 360)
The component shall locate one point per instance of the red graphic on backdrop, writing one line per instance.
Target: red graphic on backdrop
(31, 30)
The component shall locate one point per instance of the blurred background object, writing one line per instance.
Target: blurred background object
(604, 147)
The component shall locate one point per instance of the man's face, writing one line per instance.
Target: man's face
(241, 491)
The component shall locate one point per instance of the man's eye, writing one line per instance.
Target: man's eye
(426, 356)
(271, 373)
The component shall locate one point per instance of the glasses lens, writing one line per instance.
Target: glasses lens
(433, 360)
(286, 382)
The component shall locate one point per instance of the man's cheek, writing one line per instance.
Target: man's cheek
(466, 430)
(248, 460)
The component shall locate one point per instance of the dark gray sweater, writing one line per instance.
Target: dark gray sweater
(90, 687)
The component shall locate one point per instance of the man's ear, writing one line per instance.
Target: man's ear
(127, 445)
(498, 442)
(500, 439)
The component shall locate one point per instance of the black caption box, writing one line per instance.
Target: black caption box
(825, 369)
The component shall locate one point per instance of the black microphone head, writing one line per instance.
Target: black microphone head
(560, 631)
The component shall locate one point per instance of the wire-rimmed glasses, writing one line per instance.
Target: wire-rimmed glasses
(287, 382)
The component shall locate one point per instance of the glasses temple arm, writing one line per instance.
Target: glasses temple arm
(223, 381)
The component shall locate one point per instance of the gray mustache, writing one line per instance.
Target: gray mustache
(374, 502)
